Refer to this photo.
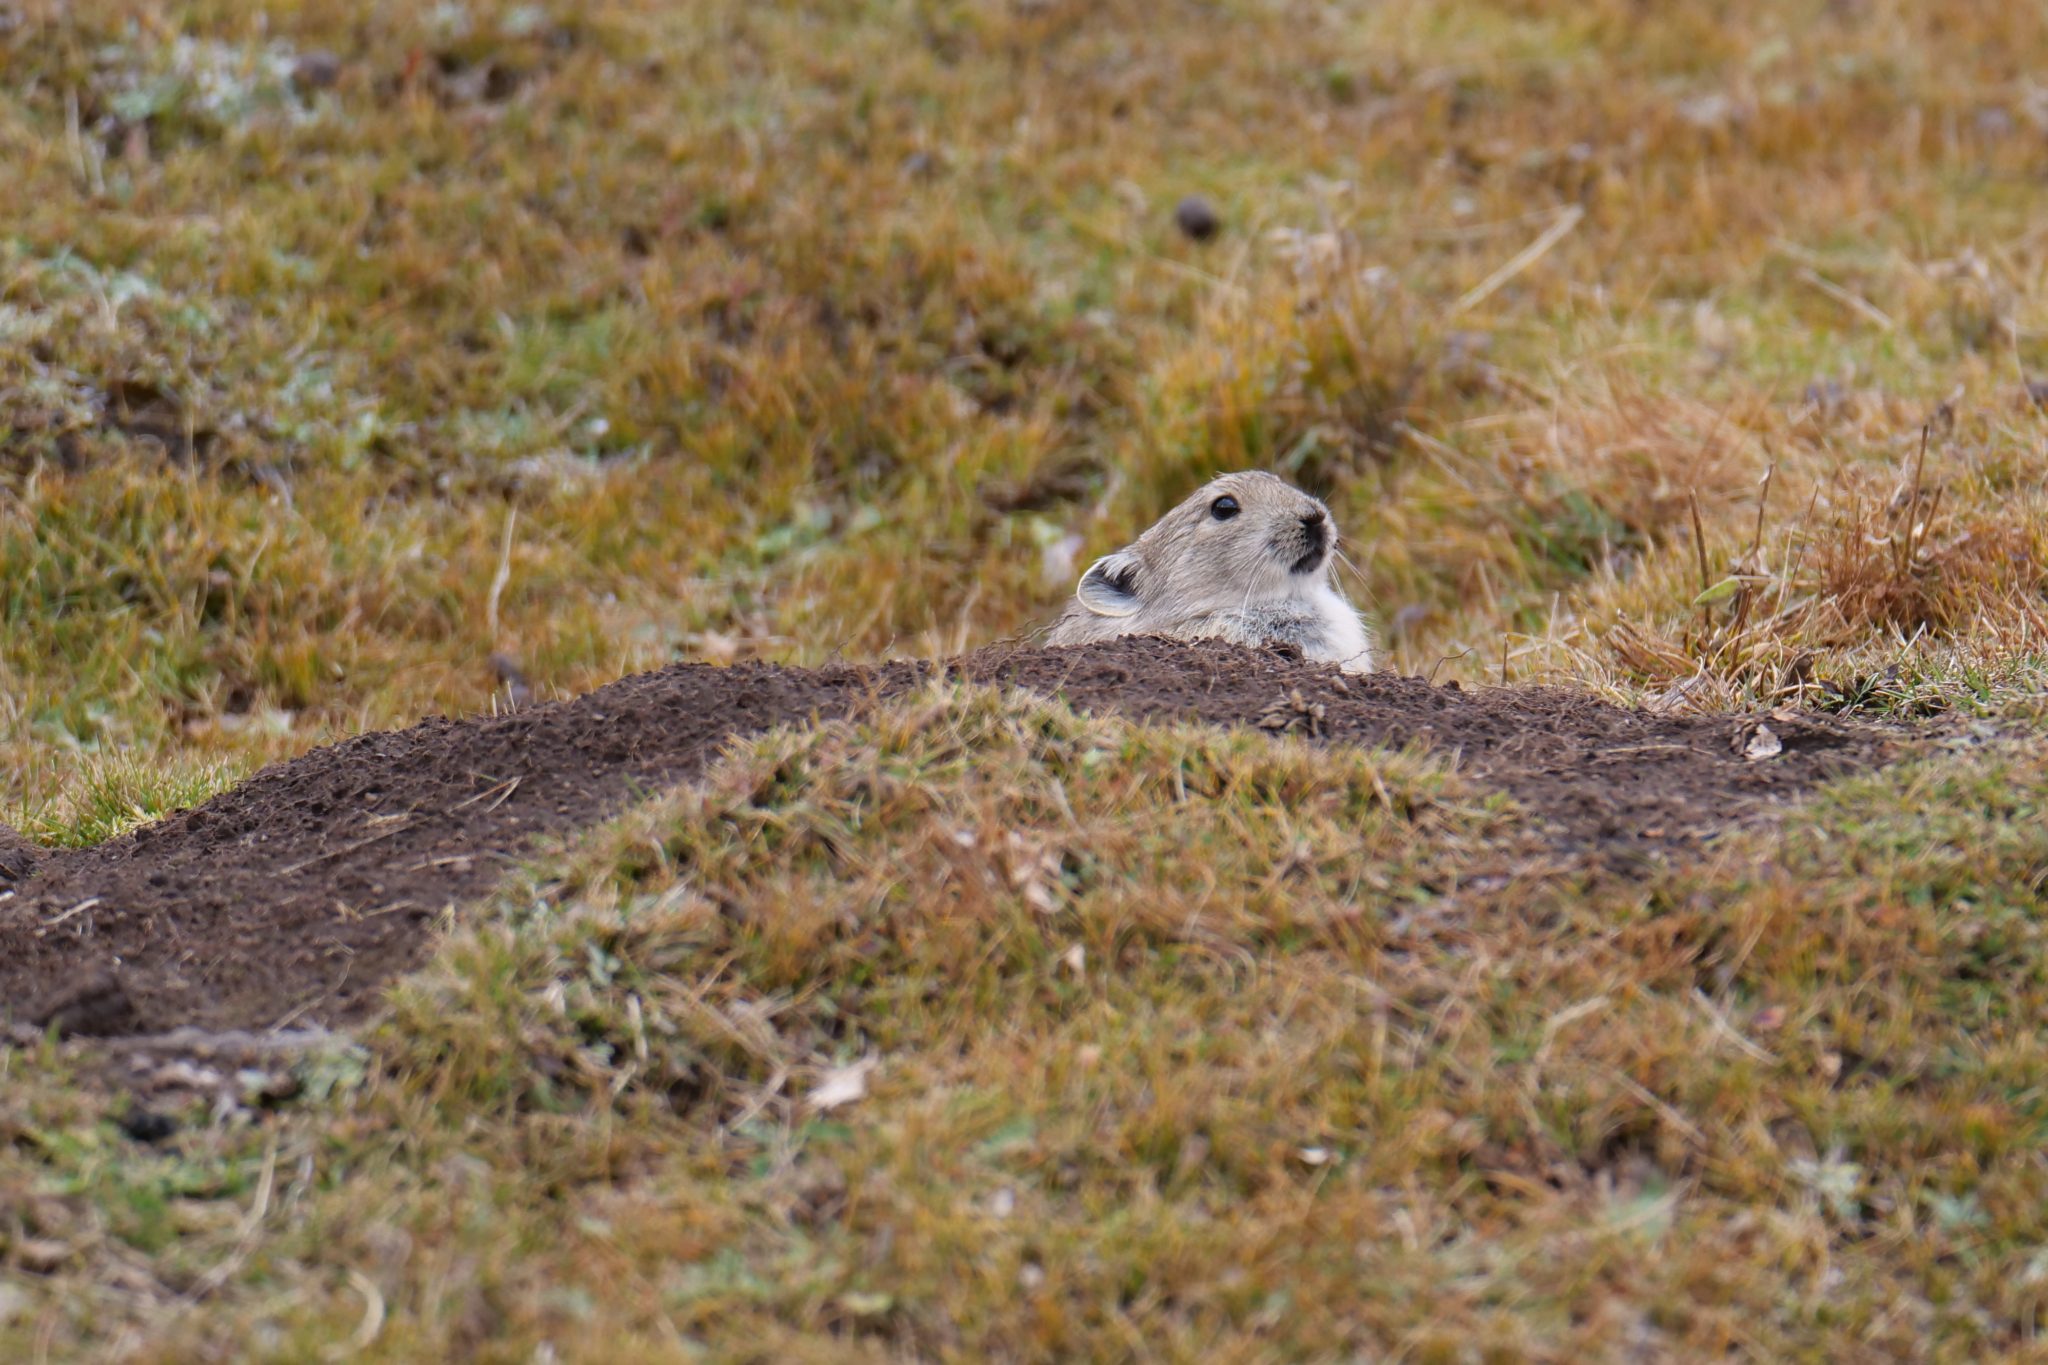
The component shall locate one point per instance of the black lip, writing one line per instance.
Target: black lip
(1309, 562)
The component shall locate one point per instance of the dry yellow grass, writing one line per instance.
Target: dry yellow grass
(625, 334)
(341, 349)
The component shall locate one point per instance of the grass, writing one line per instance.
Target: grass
(1685, 358)
(928, 1036)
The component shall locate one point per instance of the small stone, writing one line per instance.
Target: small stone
(317, 71)
(1197, 218)
(146, 1125)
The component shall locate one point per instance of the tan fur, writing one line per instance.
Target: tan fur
(1256, 578)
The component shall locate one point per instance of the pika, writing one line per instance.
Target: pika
(1245, 559)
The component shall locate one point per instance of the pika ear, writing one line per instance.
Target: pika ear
(1110, 587)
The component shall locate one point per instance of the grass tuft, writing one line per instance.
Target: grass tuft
(785, 913)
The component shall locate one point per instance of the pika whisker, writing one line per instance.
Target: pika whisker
(1364, 586)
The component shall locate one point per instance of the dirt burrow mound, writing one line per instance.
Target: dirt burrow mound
(292, 899)
(17, 855)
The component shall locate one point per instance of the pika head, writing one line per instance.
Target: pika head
(1246, 559)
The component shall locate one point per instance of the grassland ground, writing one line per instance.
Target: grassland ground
(297, 896)
(737, 1073)
(359, 365)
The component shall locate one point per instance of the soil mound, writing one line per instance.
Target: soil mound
(17, 855)
(291, 899)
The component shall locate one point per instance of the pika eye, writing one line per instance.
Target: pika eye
(1224, 508)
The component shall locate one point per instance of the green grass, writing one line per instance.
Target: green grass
(608, 335)
(111, 794)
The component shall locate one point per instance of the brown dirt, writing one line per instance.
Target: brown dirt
(17, 855)
(292, 899)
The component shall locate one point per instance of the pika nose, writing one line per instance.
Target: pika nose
(1316, 524)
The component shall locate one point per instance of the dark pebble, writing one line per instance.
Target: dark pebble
(317, 71)
(148, 1126)
(1196, 217)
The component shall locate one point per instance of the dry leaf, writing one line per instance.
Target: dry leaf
(1034, 871)
(1763, 743)
(842, 1085)
(1293, 712)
